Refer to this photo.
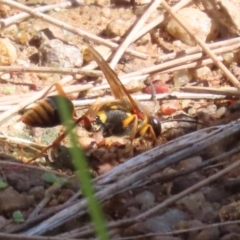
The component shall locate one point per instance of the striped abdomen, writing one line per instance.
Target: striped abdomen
(46, 112)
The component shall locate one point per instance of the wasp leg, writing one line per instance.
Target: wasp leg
(148, 129)
(57, 141)
(54, 144)
(84, 121)
(60, 90)
(133, 119)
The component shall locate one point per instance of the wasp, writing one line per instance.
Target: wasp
(123, 114)
(46, 113)
(113, 118)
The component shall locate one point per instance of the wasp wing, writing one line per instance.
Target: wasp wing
(117, 88)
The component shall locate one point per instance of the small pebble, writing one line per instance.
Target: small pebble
(190, 162)
(146, 199)
(202, 73)
(8, 53)
(106, 12)
(181, 77)
(192, 111)
(5, 76)
(221, 112)
(117, 27)
(211, 109)
(203, 26)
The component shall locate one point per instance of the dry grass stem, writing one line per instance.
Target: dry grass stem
(7, 236)
(140, 167)
(227, 91)
(188, 191)
(231, 43)
(85, 72)
(21, 142)
(206, 49)
(13, 99)
(48, 196)
(148, 97)
(4, 23)
(127, 41)
(158, 20)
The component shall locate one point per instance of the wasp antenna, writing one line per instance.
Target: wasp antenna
(183, 120)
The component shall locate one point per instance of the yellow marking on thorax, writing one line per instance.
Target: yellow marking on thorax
(102, 116)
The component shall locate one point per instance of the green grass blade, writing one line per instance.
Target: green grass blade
(83, 173)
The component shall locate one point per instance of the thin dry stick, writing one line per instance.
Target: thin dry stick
(7, 236)
(143, 216)
(206, 49)
(196, 64)
(21, 16)
(222, 91)
(172, 95)
(184, 193)
(48, 195)
(166, 65)
(158, 20)
(127, 41)
(147, 97)
(29, 166)
(152, 167)
(177, 232)
(86, 72)
(68, 89)
(197, 49)
(69, 28)
(168, 177)
(169, 65)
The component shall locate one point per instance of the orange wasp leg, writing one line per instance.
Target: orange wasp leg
(57, 141)
(142, 131)
(148, 129)
(126, 122)
(84, 119)
(134, 120)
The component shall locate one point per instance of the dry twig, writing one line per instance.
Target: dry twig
(86, 72)
(206, 49)
(127, 41)
(4, 23)
(159, 20)
(227, 91)
(151, 161)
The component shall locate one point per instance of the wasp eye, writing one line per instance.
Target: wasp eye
(156, 125)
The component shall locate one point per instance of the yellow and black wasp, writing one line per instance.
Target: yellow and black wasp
(113, 118)
(117, 116)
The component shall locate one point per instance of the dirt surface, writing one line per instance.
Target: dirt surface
(32, 194)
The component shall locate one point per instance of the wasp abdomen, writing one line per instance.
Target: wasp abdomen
(46, 112)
